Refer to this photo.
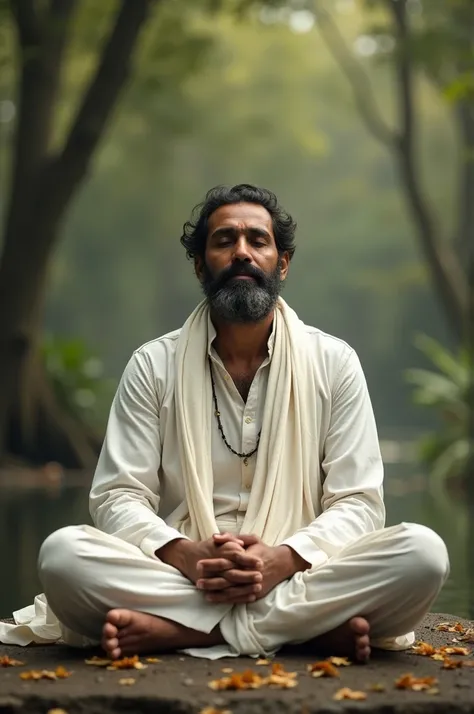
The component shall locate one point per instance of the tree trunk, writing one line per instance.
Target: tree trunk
(32, 424)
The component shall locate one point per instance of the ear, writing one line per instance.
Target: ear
(198, 267)
(285, 265)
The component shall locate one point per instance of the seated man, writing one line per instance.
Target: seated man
(237, 500)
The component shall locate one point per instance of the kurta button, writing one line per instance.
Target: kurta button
(248, 420)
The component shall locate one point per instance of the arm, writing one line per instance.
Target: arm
(124, 497)
(352, 499)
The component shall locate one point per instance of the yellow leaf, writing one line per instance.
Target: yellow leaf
(153, 660)
(346, 693)
(7, 661)
(98, 662)
(227, 670)
(127, 681)
(262, 661)
(340, 661)
(213, 710)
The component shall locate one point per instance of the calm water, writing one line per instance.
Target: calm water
(28, 516)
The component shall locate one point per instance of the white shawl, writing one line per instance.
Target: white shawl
(281, 498)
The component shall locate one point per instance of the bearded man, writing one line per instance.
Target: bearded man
(238, 501)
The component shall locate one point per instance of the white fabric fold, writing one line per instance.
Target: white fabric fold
(282, 496)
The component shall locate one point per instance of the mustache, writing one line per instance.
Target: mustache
(237, 269)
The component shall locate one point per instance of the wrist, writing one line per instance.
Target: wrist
(292, 562)
(175, 553)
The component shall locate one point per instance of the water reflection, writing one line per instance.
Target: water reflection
(27, 516)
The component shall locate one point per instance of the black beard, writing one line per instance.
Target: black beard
(242, 300)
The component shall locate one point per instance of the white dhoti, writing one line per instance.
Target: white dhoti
(390, 576)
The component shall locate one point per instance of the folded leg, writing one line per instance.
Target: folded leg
(391, 577)
(85, 573)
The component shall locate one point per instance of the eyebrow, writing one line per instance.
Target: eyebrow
(253, 231)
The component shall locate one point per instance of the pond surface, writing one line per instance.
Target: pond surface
(28, 515)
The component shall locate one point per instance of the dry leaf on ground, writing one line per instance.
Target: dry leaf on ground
(346, 693)
(56, 711)
(98, 661)
(449, 627)
(213, 710)
(452, 663)
(416, 684)
(248, 679)
(153, 660)
(262, 661)
(323, 669)
(423, 648)
(33, 674)
(6, 661)
(227, 670)
(127, 663)
(468, 636)
(340, 661)
(376, 687)
(454, 650)
(127, 681)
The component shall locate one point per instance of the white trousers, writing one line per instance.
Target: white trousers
(391, 577)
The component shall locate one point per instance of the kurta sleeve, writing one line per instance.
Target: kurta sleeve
(125, 496)
(352, 471)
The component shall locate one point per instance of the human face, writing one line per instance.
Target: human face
(242, 272)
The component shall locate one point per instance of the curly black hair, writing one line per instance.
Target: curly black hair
(195, 230)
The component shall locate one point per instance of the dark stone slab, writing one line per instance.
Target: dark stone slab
(178, 684)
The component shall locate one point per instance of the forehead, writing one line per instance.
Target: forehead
(240, 214)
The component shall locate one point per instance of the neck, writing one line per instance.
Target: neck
(242, 342)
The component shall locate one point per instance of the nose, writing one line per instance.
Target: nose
(241, 250)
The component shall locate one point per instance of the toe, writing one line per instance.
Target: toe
(109, 631)
(119, 618)
(359, 626)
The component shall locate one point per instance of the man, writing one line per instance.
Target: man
(237, 500)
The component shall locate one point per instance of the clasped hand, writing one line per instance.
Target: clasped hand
(245, 571)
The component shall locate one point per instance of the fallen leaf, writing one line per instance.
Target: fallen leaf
(346, 693)
(323, 669)
(56, 711)
(98, 662)
(424, 649)
(468, 662)
(468, 636)
(262, 661)
(449, 627)
(61, 672)
(7, 661)
(377, 688)
(340, 661)
(248, 679)
(227, 670)
(153, 660)
(127, 681)
(438, 657)
(416, 684)
(127, 663)
(213, 710)
(455, 650)
(452, 663)
(34, 674)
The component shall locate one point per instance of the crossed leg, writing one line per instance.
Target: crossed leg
(91, 578)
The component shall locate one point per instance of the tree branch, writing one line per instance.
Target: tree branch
(357, 77)
(100, 98)
(448, 276)
(27, 20)
(464, 236)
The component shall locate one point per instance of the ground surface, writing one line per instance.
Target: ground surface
(179, 685)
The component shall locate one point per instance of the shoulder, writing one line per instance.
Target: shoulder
(325, 347)
(153, 362)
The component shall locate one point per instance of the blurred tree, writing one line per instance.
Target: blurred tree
(52, 151)
(433, 37)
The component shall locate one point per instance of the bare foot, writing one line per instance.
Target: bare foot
(127, 632)
(350, 640)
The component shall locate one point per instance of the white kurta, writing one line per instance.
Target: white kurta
(138, 495)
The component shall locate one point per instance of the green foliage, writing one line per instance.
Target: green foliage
(77, 376)
(446, 391)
